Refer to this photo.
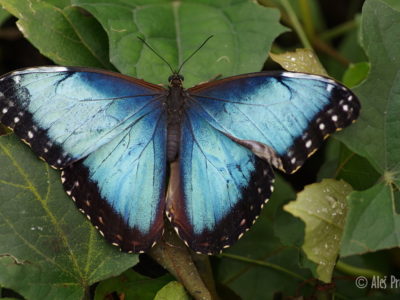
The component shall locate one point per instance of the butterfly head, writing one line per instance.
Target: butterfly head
(175, 79)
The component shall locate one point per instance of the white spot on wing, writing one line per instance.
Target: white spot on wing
(17, 79)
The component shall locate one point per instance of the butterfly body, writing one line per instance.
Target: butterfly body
(175, 108)
(113, 137)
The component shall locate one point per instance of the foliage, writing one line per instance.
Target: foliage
(48, 250)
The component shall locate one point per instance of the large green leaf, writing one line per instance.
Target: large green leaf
(246, 269)
(322, 206)
(132, 286)
(61, 32)
(375, 134)
(48, 250)
(341, 163)
(176, 28)
(394, 3)
(372, 220)
(372, 223)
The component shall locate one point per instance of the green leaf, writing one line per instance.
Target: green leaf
(355, 74)
(393, 3)
(376, 134)
(48, 249)
(4, 15)
(132, 285)
(63, 33)
(303, 60)
(373, 222)
(245, 268)
(176, 29)
(322, 207)
(341, 163)
(172, 291)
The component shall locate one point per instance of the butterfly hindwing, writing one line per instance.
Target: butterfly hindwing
(108, 134)
(121, 186)
(288, 113)
(223, 187)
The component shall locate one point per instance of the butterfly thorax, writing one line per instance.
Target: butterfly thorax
(175, 108)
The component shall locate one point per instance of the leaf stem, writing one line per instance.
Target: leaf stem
(307, 17)
(264, 264)
(356, 271)
(296, 24)
(339, 30)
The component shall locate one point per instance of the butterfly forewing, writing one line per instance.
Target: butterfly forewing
(290, 113)
(107, 132)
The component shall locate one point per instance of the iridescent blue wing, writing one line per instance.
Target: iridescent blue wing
(108, 134)
(220, 189)
(281, 117)
(280, 114)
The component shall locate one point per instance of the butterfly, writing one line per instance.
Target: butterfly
(113, 137)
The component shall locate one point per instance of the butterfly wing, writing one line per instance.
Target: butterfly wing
(281, 117)
(221, 187)
(108, 134)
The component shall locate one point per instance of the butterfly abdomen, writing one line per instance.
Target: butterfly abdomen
(173, 138)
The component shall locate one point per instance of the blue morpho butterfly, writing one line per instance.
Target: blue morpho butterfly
(113, 137)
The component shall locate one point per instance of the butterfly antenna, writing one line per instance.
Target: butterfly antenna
(155, 52)
(201, 46)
